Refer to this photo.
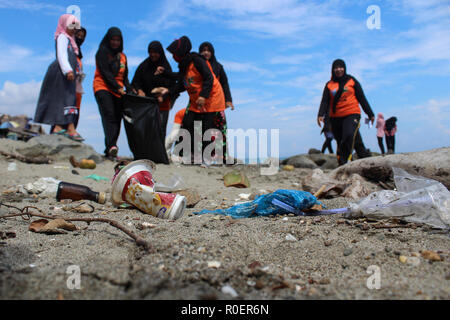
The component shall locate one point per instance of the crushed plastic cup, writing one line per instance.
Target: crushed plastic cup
(134, 184)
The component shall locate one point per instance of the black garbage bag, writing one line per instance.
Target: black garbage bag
(143, 127)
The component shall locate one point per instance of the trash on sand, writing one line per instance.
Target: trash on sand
(7, 235)
(134, 184)
(214, 264)
(288, 167)
(176, 184)
(52, 227)
(83, 208)
(77, 192)
(290, 237)
(192, 197)
(12, 166)
(96, 177)
(431, 255)
(293, 202)
(418, 200)
(43, 187)
(236, 179)
(83, 164)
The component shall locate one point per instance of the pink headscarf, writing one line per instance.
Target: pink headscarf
(68, 20)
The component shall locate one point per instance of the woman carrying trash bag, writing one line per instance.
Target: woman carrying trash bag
(111, 77)
(57, 100)
(156, 72)
(206, 96)
(341, 99)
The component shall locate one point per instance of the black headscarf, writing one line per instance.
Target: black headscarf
(80, 41)
(341, 80)
(181, 51)
(390, 123)
(213, 61)
(108, 54)
(162, 61)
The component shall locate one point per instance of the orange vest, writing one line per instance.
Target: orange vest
(193, 82)
(347, 104)
(100, 84)
(179, 116)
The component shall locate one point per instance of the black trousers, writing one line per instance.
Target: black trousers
(390, 143)
(380, 143)
(207, 120)
(345, 131)
(110, 108)
(327, 144)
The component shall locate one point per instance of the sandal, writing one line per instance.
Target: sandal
(75, 137)
(61, 132)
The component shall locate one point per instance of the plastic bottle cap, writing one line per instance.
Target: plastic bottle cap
(101, 197)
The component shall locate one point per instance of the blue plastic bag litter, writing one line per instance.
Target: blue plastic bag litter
(279, 202)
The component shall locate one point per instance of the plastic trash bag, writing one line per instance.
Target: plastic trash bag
(417, 199)
(279, 202)
(142, 123)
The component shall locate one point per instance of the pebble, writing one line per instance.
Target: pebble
(328, 243)
(229, 290)
(388, 249)
(214, 264)
(290, 237)
(348, 251)
(431, 255)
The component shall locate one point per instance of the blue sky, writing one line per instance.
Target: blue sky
(277, 55)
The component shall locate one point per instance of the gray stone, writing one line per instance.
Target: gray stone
(325, 161)
(300, 161)
(58, 148)
(314, 151)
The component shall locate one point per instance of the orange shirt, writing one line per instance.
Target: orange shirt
(347, 104)
(99, 82)
(193, 82)
(180, 116)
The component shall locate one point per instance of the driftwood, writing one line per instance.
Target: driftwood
(37, 160)
(25, 213)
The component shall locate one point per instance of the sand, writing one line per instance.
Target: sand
(195, 257)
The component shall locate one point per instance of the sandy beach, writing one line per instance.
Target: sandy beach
(208, 256)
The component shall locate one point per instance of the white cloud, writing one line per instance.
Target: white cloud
(18, 58)
(32, 5)
(18, 99)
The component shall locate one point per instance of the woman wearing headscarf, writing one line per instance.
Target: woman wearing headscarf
(206, 96)
(110, 83)
(80, 36)
(156, 72)
(57, 100)
(341, 99)
(390, 128)
(380, 131)
(206, 49)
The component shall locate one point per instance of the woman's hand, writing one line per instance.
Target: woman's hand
(200, 103)
(372, 120)
(320, 120)
(229, 104)
(141, 93)
(159, 70)
(70, 76)
(121, 91)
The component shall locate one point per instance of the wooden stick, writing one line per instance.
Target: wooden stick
(320, 191)
(37, 160)
(25, 212)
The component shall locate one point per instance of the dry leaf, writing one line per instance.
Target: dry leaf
(52, 227)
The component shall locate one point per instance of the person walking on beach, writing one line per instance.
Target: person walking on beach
(80, 36)
(57, 99)
(380, 131)
(390, 129)
(206, 96)
(110, 84)
(156, 72)
(341, 97)
(206, 49)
